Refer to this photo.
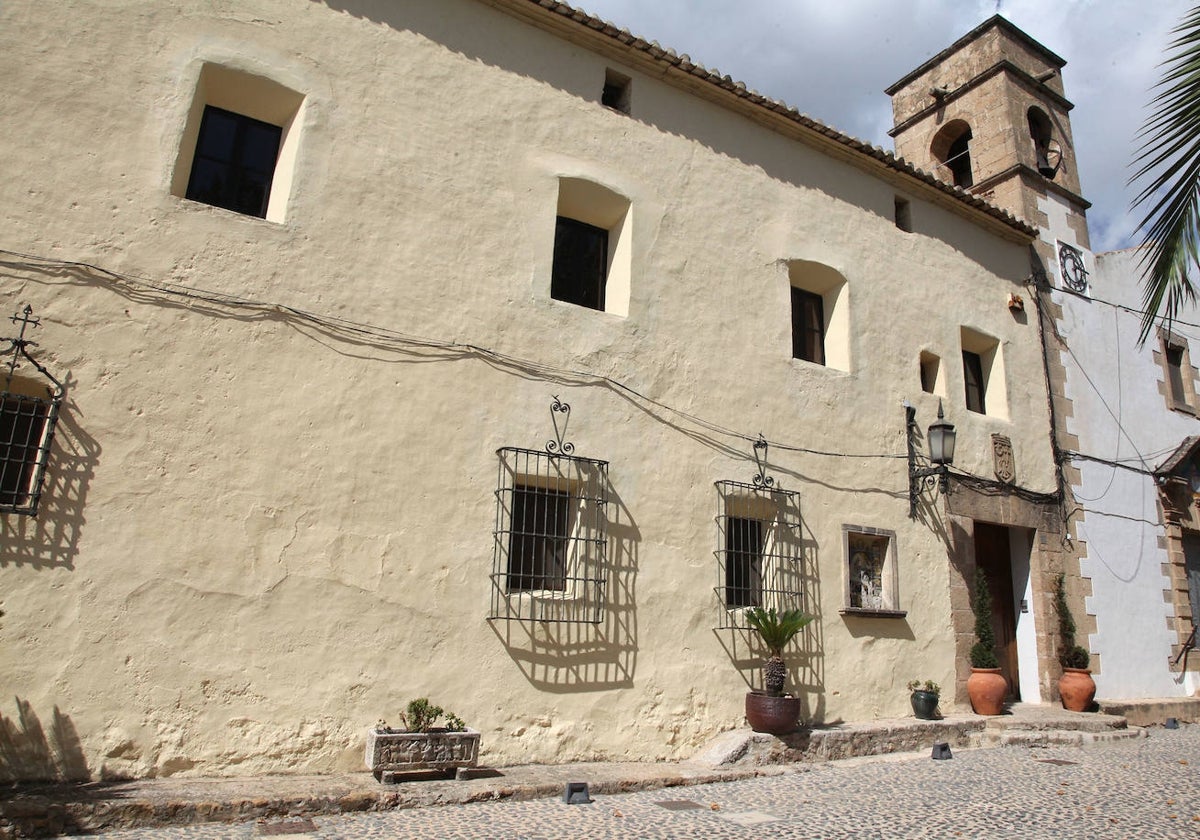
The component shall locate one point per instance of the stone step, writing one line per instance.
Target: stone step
(1156, 710)
(1056, 737)
(1036, 719)
(1029, 725)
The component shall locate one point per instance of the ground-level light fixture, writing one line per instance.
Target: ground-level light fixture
(941, 438)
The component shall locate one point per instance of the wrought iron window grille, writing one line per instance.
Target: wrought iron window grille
(550, 541)
(759, 553)
(27, 423)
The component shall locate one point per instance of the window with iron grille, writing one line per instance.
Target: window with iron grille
(28, 414)
(26, 424)
(550, 546)
(759, 550)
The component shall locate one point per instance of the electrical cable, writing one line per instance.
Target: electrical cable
(1130, 309)
(393, 337)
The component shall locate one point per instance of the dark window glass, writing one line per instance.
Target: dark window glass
(234, 162)
(973, 376)
(929, 372)
(903, 215)
(743, 562)
(959, 160)
(808, 326)
(611, 96)
(580, 263)
(1175, 374)
(616, 93)
(537, 542)
(22, 426)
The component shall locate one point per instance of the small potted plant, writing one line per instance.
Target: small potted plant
(1076, 686)
(924, 698)
(772, 711)
(986, 686)
(421, 744)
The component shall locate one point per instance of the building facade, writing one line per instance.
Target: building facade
(483, 352)
(989, 114)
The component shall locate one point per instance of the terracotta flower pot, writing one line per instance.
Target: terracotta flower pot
(773, 715)
(1077, 689)
(986, 688)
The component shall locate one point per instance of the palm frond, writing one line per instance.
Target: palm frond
(1169, 167)
(777, 629)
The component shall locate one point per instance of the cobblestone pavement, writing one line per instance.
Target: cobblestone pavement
(1143, 788)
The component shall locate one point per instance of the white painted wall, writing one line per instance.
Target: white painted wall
(1020, 545)
(1119, 415)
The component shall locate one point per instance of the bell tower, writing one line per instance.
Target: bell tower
(988, 114)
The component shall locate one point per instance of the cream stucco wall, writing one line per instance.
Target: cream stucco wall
(267, 525)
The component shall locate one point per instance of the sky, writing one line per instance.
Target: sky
(832, 61)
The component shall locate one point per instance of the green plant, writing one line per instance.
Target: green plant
(776, 630)
(1070, 654)
(928, 685)
(983, 652)
(1169, 175)
(422, 716)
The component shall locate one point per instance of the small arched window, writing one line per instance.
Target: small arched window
(951, 148)
(1047, 151)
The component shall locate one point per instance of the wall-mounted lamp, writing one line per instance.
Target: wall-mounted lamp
(942, 438)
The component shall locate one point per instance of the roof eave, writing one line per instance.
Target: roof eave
(602, 37)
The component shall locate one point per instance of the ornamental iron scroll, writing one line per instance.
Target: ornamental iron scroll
(925, 473)
(27, 423)
(760, 458)
(550, 542)
(559, 444)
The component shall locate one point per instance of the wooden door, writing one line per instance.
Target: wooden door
(993, 558)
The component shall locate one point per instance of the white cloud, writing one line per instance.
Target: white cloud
(833, 60)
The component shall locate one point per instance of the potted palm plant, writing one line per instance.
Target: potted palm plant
(421, 744)
(1076, 686)
(771, 710)
(924, 698)
(986, 686)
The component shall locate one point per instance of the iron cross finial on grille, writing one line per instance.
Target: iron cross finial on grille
(19, 347)
(26, 320)
(760, 458)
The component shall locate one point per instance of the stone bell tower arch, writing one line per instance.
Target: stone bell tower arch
(988, 114)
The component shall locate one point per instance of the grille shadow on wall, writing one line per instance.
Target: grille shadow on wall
(563, 568)
(51, 541)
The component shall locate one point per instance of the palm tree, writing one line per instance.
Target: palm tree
(1170, 158)
(776, 630)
